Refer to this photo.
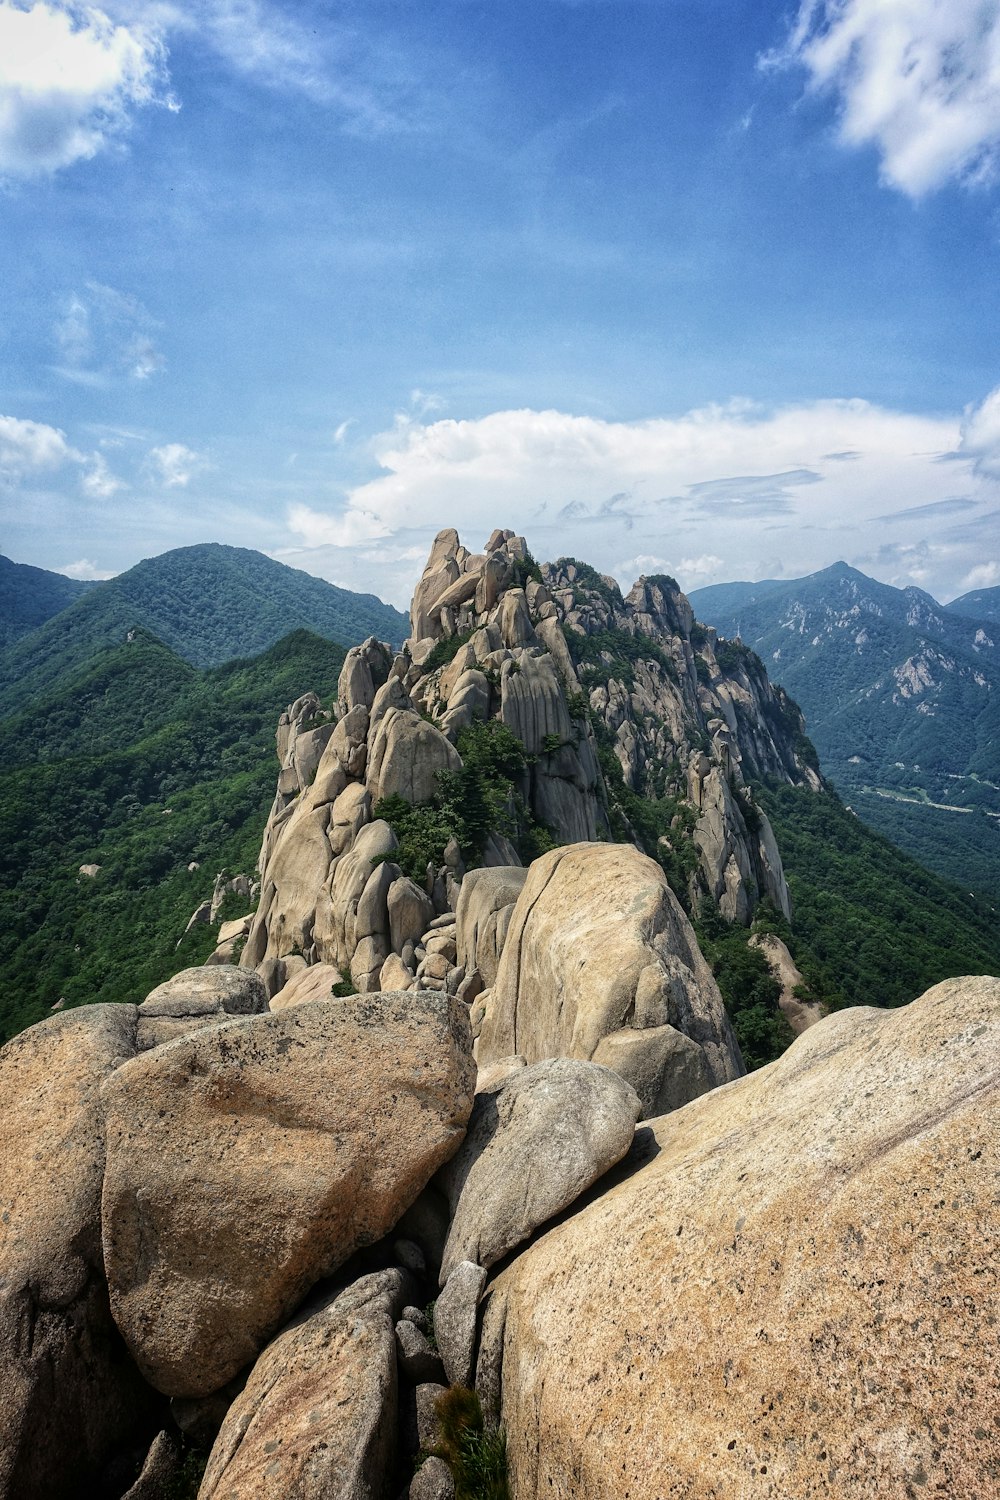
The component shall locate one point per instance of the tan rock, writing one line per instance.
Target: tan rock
(312, 982)
(205, 996)
(406, 755)
(317, 1417)
(793, 1296)
(410, 912)
(536, 1140)
(271, 1149)
(598, 945)
(394, 975)
(68, 1397)
(485, 905)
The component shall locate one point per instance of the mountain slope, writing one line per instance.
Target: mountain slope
(30, 596)
(208, 604)
(142, 766)
(902, 699)
(981, 604)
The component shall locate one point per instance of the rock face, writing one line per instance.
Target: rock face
(535, 1143)
(317, 1416)
(600, 963)
(66, 1383)
(247, 1161)
(794, 1292)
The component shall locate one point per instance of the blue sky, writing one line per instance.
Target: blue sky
(706, 287)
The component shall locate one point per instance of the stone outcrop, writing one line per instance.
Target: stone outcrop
(555, 655)
(317, 1416)
(791, 1292)
(66, 1382)
(247, 1161)
(800, 1014)
(535, 1143)
(600, 963)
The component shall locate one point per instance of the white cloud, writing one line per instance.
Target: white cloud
(700, 496)
(917, 79)
(31, 447)
(698, 570)
(98, 482)
(981, 435)
(84, 569)
(343, 429)
(174, 465)
(102, 333)
(982, 576)
(69, 80)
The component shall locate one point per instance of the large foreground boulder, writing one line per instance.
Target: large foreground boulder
(601, 963)
(248, 1161)
(795, 1295)
(69, 1394)
(317, 1418)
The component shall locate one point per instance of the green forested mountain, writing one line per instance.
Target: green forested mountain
(901, 698)
(981, 604)
(208, 603)
(141, 764)
(30, 596)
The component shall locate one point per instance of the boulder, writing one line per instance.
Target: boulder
(161, 1472)
(410, 912)
(406, 755)
(317, 1418)
(794, 1291)
(456, 1320)
(535, 1142)
(483, 914)
(417, 1360)
(314, 982)
(432, 1481)
(271, 1149)
(69, 1394)
(195, 998)
(598, 945)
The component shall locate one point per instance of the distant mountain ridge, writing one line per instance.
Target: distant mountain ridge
(981, 604)
(208, 603)
(901, 697)
(29, 596)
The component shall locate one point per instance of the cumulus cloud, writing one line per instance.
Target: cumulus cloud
(98, 482)
(699, 495)
(174, 465)
(84, 568)
(28, 447)
(917, 79)
(70, 79)
(102, 333)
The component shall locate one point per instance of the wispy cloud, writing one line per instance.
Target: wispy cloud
(103, 334)
(950, 507)
(69, 81)
(917, 79)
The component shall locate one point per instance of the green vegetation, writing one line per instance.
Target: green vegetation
(30, 596)
(613, 653)
(870, 925)
(470, 804)
(446, 649)
(589, 581)
(476, 1456)
(208, 604)
(748, 987)
(141, 765)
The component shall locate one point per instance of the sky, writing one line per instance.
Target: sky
(699, 286)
